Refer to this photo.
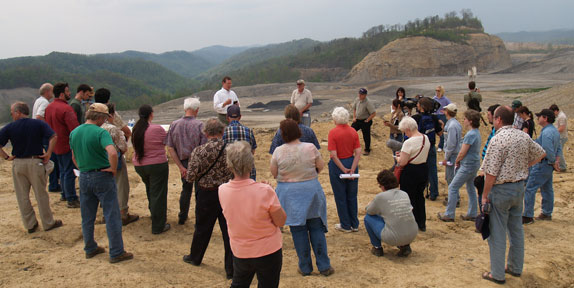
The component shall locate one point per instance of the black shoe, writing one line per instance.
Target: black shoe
(165, 228)
(57, 223)
(59, 189)
(527, 220)
(432, 198)
(181, 221)
(404, 251)
(99, 250)
(377, 251)
(187, 259)
(74, 204)
(33, 229)
(423, 229)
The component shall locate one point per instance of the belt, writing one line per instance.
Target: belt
(30, 157)
(97, 170)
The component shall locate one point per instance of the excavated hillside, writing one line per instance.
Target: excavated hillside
(424, 57)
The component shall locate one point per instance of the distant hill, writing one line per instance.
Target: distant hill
(559, 36)
(186, 64)
(131, 81)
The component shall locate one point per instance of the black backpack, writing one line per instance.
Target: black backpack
(473, 103)
(426, 126)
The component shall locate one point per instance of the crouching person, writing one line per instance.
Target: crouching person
(254, 215)
(94, 153)
(389, 218)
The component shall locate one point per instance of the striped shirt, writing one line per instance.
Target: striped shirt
(487, 141)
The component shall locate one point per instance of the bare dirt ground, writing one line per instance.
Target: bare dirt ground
(447, 255)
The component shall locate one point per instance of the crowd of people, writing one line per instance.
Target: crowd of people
(215, 158)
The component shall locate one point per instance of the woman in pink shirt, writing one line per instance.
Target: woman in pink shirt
(254, 216)
(150, 162)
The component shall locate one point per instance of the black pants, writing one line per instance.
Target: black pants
(365, 127)
(414, 181)
(185, 196)
(207, 211)
(268, 269)
(155, 178)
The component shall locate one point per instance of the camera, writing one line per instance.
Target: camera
(409, 103)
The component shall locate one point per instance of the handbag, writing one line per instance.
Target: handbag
(399, 169)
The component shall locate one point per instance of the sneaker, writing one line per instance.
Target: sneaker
(543, 216)
(340, 228)
(377, 251)
(439, 150)
(74, 204)
(99, 250)
(57, 223)
(327, 272)
(404, 251)
(355, 229)
(527, 220)
(123, 257)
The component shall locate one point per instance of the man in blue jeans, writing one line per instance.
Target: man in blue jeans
(96, 157)
(62, 119)
(504, 192)
(541, 173)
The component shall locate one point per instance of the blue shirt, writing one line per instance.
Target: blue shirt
(549, 139)
(307, 136)
(26, 136)
(472, 157)
(492, 133)
(237, 132)
(443, 102)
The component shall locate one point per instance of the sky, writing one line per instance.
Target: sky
(38, 27)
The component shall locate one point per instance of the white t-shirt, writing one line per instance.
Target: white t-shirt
(412, 146)
(562, 120)
(300, 100)
(220, 97)
(40, 107)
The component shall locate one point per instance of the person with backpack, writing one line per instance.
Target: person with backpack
(429, 125)
(473, 98)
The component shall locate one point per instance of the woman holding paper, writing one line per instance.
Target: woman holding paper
(414, 177)
(345, 150)
(296, 165)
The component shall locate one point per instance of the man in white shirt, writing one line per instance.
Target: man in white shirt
(38, 112)
(46, 94)
(223, 99)
(302, 99)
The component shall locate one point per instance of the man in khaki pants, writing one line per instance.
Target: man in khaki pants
(29, 164)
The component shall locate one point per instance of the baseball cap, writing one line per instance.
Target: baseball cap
(546, 112)
(451, 107)
(233, 111)
(363, 91)
(300, 81)
(99, 107)
(516, 104)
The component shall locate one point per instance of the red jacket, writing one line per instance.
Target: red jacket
(62, 118)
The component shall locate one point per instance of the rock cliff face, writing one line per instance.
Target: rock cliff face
(423, 56)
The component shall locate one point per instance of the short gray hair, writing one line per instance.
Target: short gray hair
(45, 88)
(191, 103)
(213, 127)
(408, 124)
(239, 157)
(340, 115)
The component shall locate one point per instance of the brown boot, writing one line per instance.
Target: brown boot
(128, 218)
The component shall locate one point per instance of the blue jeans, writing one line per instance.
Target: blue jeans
(306, 120)
(449, 170)
(540, 177)
(464, 175)
(67, 177)
(345, 192)
(95, 188)
(441, 117)
(374, 224)
(313, 232)
(433, 178)
(505, 217)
